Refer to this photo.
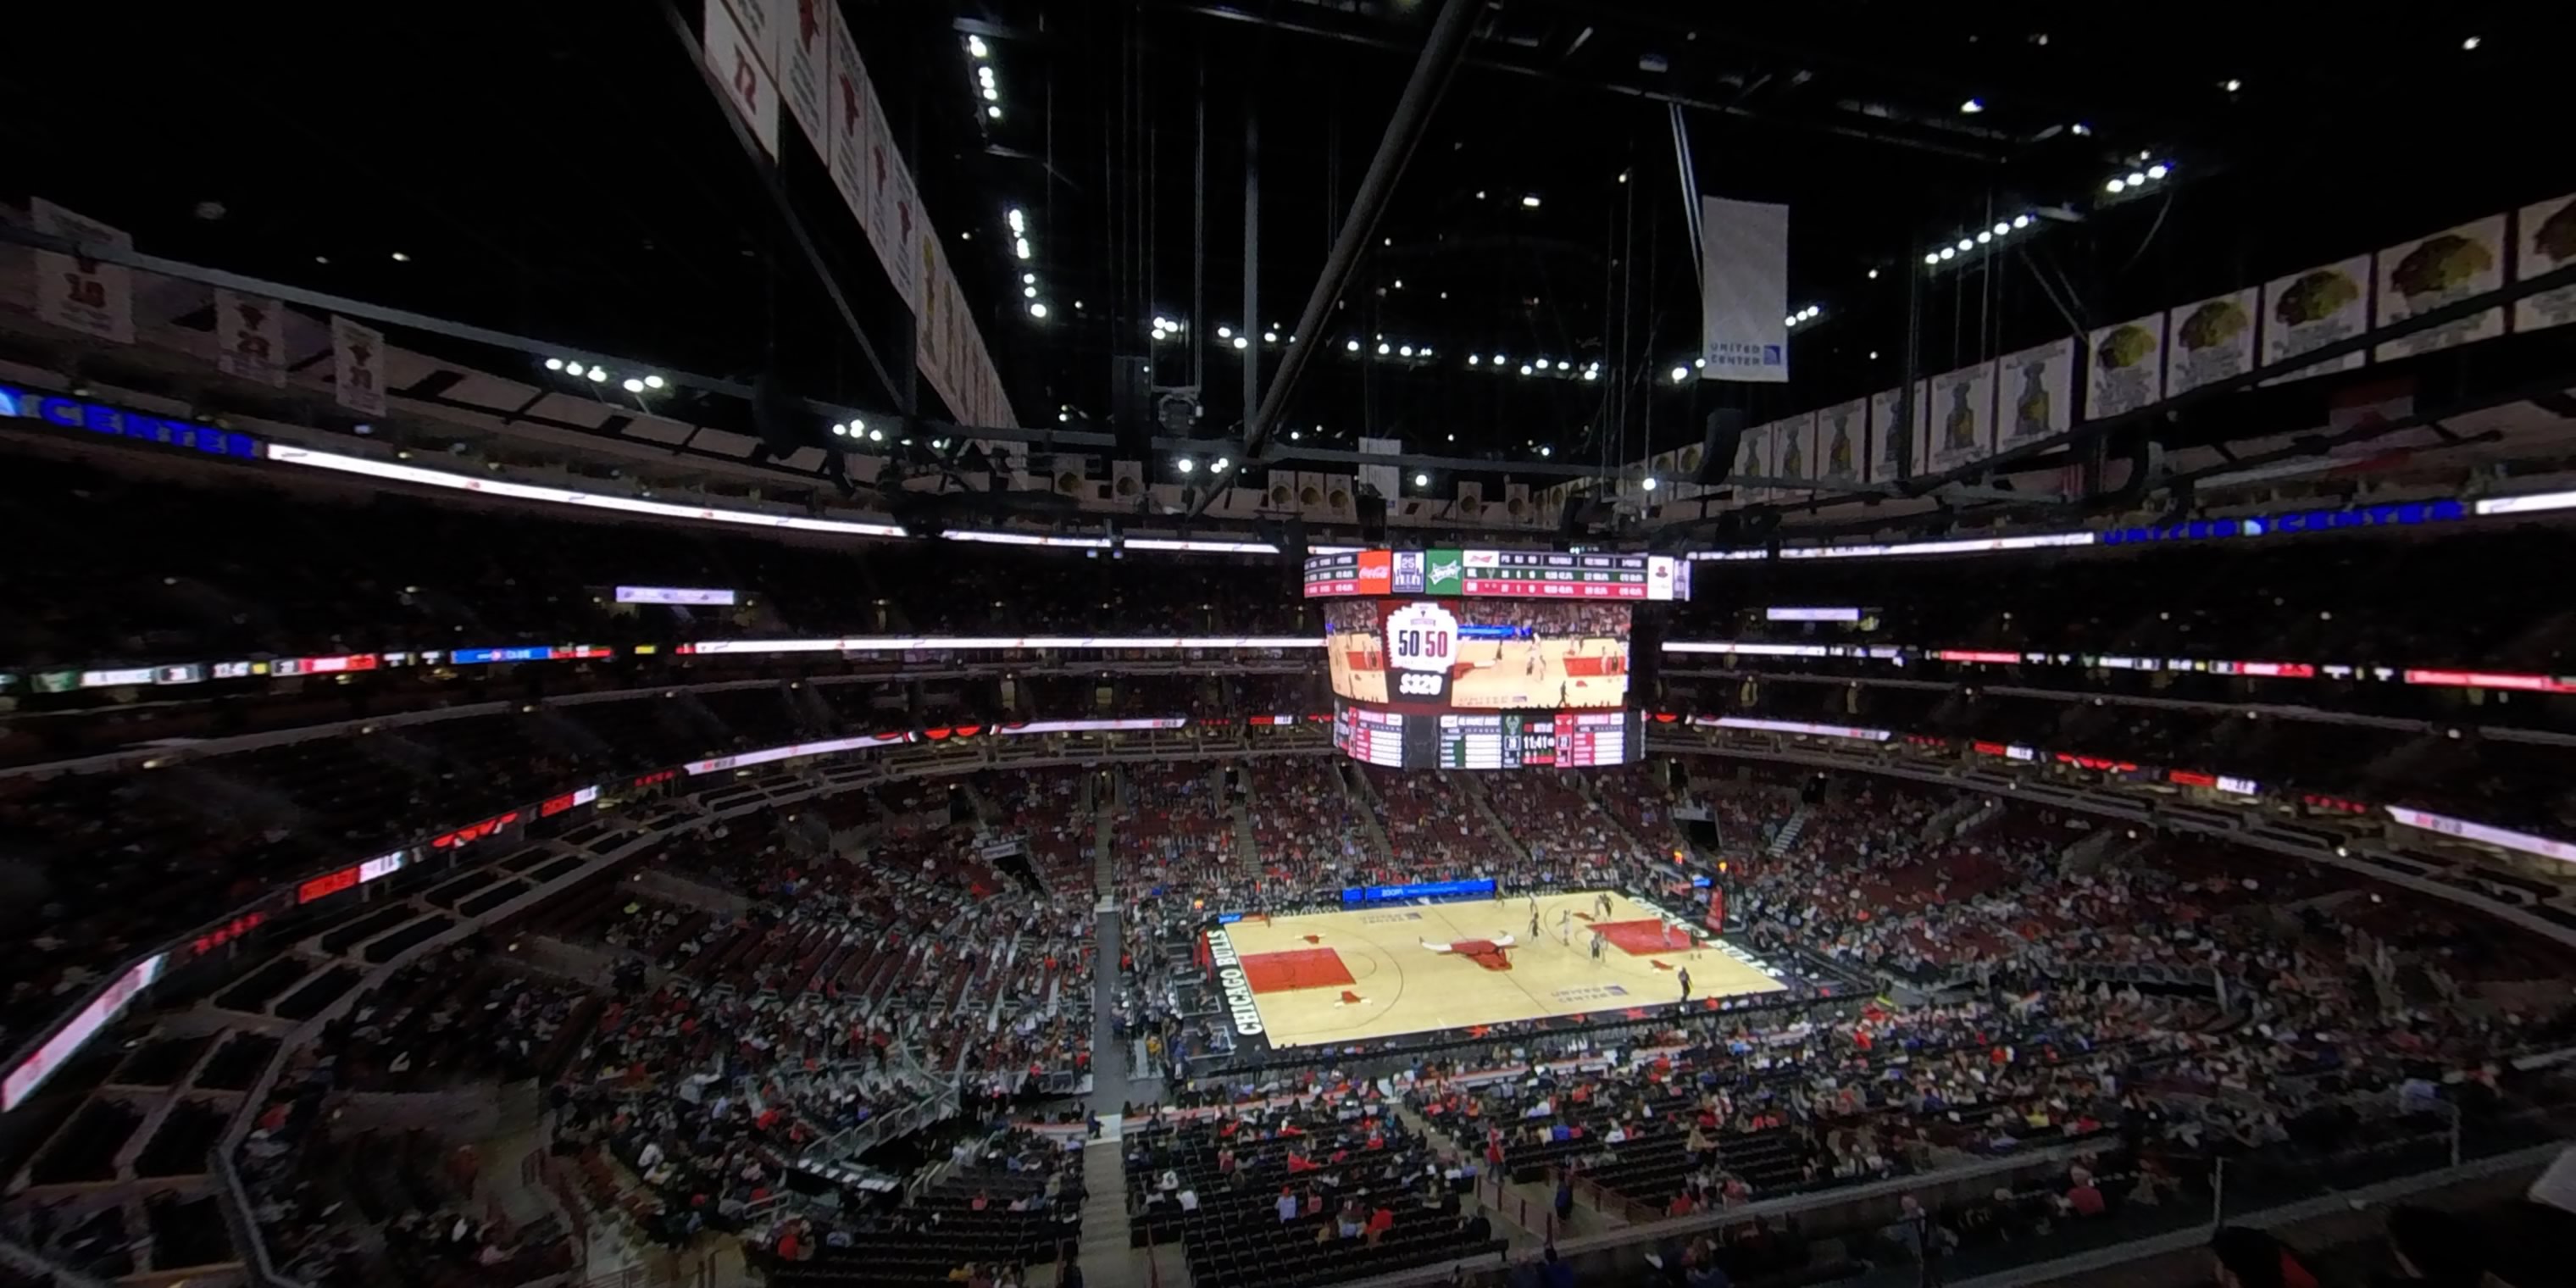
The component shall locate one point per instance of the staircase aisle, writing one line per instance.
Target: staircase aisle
(1108, 1260)
(1365, 808)
(1787, 836)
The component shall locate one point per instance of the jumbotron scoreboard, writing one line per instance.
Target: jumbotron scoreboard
(1498, 574)
(1485, 659)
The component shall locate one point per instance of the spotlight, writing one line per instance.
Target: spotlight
(1351, 346)
(1185, 465)
(1037, 309)
(2471, 43)
(554, 364)
(598, 374)
(1422, 480)
(991, 94)
(2137, 178)
(633, 385)
(1965, 245)
(1270, 337)
(1029, 291)
(1873, 275)
(573, 369)
(2234, 85)
(975, 45)
(1218, 466)
(1681, 374)
(994, 112)
(1383, 348)
(1020, 247)
(1530, 202)
(1547, 451)
(1472, 359)
(401, 258)
(1983, 237)
(1791, 320)
(1592, 373)
(2001, 229)
(654, 382)
(2082, 131)
(2021, 221)
(1242, 342)
(1525, 368)
(1650, 483)
(1225, 333)
(2159, 170)
(1541, 364)
(2116, 186)
(1406, 351)
(1972, 107)
(840, 431)
(1933, 258)
(1949, 253)
(876, 435)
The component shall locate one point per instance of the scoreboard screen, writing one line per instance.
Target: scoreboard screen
(1498, 574)
(1426, 656)
(1488, 740)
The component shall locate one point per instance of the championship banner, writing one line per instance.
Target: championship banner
(1793, 448)
(1895, 439)
(1753, 460)
(2125, 367)
(1744, 293)
(2544, 241)
(2210, 341)
(358, 376)
(250, 338)
(2035, 392)
(1959, 425)
(84, 295)
(738, 52)
(2304, 311)
(1841, 442)
(804, 67)
(2424, 274)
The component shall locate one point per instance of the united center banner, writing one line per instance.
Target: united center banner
(1744, 290)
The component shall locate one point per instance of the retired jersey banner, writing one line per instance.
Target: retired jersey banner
(2430, 272)
(250, 338)
(2309, 310)
(738, 52)
(1744, 290)
(358, 366)
(1793, 449)
(2125, 367)
(1895, 438)
(2544, 242)
(2210, 341)
(79, 294)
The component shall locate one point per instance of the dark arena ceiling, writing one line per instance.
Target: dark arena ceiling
(563, 172)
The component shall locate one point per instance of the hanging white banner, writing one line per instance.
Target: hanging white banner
(738, 52)
(250, 338)
(1387, 479)
(358, 372)
(79, 294)
(1744, 290)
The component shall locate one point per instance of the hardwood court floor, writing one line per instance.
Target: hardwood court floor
(1503, 674)
(1333, 977)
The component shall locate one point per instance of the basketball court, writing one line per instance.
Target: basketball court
(1498, 675)
(1382, 971)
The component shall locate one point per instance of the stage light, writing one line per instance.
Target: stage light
(1218, 466)
(1547, 451)
(1873, 275)
(1525, 368)
(1592, 373)
(1351, 346)
(1185, 465)
(1933, 258)
(1020, 247)
(401, 258)
(1681, 374)
(1037, 309)
(1028, 279)
(1541, 364)
(2002, 228)
(840, 431)
(2471, 43)
(1225, 333)
(1650, 483)
(598, 374)
(2137, 178)
(992, 95)
(1406, 351)
(1965, 245)
(1029, 291)
(2021, 221)
(2159, 170)
(2234, 85)
(1499, 360)
(975, 45)
(1383, 348)
(1983, 237)
(996, 114)
(1270, 337)
(1530, 202)
(1242, 342)
(1972, 107)
(876, 435)
(1422, 480)
(633, 385)
(2083, 131)
(1791, 320)
(1949, 253)
(2116, 186)
(654, 382)
(554, 364)
(1425, 352)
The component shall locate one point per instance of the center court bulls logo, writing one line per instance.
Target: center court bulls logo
(1492, 954)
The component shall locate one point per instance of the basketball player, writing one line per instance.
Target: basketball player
(1599, 941)
(1685, 978)
(1601, 902)
(1533, 919)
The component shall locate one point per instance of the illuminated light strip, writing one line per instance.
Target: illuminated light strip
(1979, 657)
(63, 1045)
(1750, 649)
(1092, 726)
(1791, 726)
(1811, 614)
(900, 643)
(1967, 546)
(1210, 547)
(791, 751)
(2522, 842)
(287, 455)
(2490, 680)
(2536, 503)
(1029, 539)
